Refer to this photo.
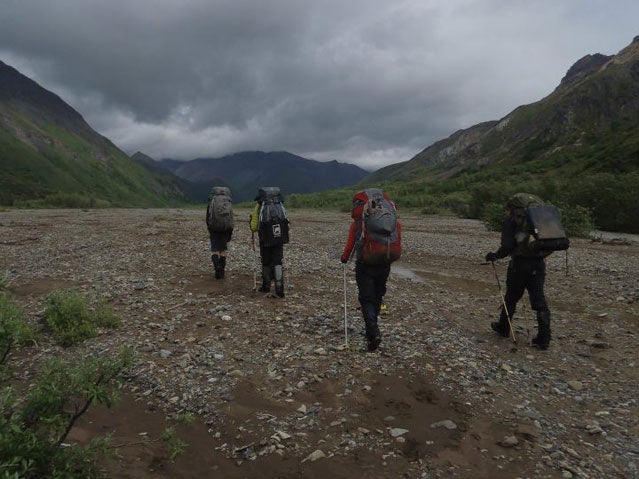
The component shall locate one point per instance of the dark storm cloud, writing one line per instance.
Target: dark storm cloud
(371, 82)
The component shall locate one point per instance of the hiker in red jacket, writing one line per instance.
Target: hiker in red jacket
(375, 237)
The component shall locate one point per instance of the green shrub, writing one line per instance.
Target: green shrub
(493, 216)
(35, 427)
(68, 317)
(5, 280)
(105, 316)
(13, 329)
(577, 220)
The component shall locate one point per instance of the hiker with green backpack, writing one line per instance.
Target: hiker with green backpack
(219, 222)
(531, 231)
(375, 238)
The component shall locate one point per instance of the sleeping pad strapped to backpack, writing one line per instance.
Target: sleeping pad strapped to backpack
(540, 229)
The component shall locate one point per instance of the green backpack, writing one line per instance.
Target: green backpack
(219, 214)
(539, 226)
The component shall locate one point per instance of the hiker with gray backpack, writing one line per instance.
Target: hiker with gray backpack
(531, 231)
(270, 221)
(375, 237)
(219, 222)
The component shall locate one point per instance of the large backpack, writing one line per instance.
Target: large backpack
(380, 240)
(539, 226)
(273, 220)
(219, 217)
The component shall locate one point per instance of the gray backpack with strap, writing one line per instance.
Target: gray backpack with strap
(219, 214)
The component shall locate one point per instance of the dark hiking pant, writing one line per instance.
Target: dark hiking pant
(525, 274)
(272, 257)
(371, 285)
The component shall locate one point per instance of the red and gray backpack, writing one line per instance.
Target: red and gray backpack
(380, 240)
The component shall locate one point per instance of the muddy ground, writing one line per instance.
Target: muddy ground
(284, 388)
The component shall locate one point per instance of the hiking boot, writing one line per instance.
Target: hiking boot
(373, 342)
(217, 265)
(266, 280)
(542, 340)
(500, 328)
(222, 266)
(279, 281)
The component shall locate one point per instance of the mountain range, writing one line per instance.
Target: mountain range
(578, 146)
(246, 171)
(49, 153)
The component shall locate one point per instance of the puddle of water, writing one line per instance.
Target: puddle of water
(407, 274)
(451, 281)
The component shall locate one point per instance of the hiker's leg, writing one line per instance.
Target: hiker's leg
(217, 244)
(278, 256)
(223, 248)
(381, 277)
(515, 287)
(368, 300)
(539, 304)
(222, 263)
(267, 267)
(215, 258)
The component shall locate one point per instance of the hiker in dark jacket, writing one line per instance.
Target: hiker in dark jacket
(526, 271)
(271, 244)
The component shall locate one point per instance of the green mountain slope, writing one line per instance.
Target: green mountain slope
(579, 146)
(47, 150)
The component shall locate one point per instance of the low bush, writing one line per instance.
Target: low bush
(34, 427)
(13, 330)
(68, 315)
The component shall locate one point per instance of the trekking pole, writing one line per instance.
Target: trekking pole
(254, 261)
(503, 303)
(345, 313)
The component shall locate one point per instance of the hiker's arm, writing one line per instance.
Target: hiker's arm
(507, 238)
(254, 218)
(350, 243)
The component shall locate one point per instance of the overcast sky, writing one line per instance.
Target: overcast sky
(370, 82)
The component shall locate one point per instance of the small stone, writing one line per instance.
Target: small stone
(447, 423)
(509, 441)
(314, 456)
(398, 431)
(576, 385)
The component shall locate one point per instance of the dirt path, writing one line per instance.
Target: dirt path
(276, 393)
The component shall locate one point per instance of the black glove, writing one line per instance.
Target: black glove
(491, 257)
